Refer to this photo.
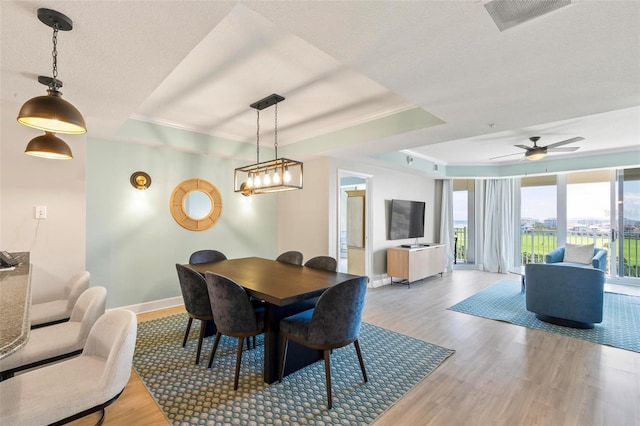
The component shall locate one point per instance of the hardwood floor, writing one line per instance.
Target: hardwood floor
(501, 374)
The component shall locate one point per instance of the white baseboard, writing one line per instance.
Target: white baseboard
(154, 305)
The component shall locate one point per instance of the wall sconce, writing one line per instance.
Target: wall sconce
(140, 180)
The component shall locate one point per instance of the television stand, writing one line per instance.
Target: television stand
(415, 263)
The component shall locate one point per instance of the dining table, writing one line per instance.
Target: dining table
(282, 287)
(15, 304)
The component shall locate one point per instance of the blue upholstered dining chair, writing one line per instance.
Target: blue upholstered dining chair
(327, 263)
(196, 302)
(234, 315)
(206, 256)
(292, 257)
(333, 323)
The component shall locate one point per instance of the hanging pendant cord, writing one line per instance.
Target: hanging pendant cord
(276, 132)
(258, 137)
(54, 83)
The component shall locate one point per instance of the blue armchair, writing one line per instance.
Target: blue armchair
(566, 295)
(599, 260)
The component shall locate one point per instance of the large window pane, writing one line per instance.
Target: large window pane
(538, 218)
(463, 212)
(588, 213)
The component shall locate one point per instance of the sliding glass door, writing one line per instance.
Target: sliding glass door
(627, 231)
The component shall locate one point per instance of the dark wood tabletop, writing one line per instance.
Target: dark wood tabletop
(275, 282)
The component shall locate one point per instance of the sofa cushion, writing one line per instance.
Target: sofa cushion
(578, 253)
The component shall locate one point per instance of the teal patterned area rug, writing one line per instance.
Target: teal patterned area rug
(504, 301)
(193, 394)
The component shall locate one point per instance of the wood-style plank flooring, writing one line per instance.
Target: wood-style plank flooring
(501, 374)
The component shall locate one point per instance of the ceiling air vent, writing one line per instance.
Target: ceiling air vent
(507, 14)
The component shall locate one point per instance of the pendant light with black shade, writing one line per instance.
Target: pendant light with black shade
(50, 112)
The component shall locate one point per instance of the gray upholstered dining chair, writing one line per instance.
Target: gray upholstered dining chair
(61, 393)
(196, 302)
(59, 310)
(206, 256)
(234, 315)
(58, 341)
(292, 257)
(327, 263)
(333, 323)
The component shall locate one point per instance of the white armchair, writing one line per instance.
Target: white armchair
(59, 310)
(61, 393)
(49, 344)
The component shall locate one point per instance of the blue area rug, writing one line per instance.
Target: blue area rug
(504, 301)
(190, 394)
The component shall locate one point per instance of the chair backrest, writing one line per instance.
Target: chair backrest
(327, 263)
(194, 291)
(337, 316)
(113, 337)
(89, 307)
(292, 257)
(232, 309)
(206, 256)
(78, 283)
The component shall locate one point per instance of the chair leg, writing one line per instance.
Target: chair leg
(215, 347)
(238, 361)
(327, 375)
(283, 357)
(203, 324)
(364, 373)
(186, 334)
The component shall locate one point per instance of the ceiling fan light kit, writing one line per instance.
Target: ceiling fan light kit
(536, 152)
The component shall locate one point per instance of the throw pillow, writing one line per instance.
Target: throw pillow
(578, 253)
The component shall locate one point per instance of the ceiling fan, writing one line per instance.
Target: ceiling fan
(536, 152)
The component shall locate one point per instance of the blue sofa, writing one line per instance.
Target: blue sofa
(599, 260)
(565, 294)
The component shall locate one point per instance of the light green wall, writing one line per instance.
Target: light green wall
(132, 241)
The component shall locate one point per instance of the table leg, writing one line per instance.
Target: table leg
(298, 356)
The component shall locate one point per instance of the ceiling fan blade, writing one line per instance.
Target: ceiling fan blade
(502, 156)
(523, 147)
(566, 149)
(568, 141)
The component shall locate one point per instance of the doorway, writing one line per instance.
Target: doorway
(353, 233)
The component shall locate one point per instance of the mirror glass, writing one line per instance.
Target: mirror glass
(197, 204)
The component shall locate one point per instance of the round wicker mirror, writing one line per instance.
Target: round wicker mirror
(196, 204)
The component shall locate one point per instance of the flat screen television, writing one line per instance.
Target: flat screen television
(407, 219)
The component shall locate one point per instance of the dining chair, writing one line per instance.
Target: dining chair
(333, 323)
(234, 315)
(61, 393)
(292, 257)
(59, 310)
(206, 256)
(58, 341)
(196, 302)
(327, 263)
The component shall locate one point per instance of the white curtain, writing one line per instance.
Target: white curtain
(447, 232)
(499, 224)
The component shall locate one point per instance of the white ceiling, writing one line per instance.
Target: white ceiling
(199, 64)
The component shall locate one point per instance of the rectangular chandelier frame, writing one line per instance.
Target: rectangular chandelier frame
(281, 174)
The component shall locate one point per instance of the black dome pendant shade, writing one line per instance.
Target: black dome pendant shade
(49, 146)
(50, 112)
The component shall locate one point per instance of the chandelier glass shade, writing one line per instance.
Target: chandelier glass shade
(280, 174)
